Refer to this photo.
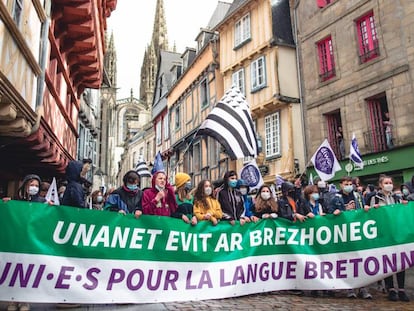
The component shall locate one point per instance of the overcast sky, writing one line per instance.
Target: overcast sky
(132, 24)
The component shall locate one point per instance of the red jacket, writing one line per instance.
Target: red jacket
(166, 207)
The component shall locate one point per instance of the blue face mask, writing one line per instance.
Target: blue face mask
(232, 183)
(315, 196)
(132, 187)
(188, 185)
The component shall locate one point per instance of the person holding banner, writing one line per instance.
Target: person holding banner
(346, 199)
(28, 191)
(290, 204)
(160, 198)
(230, 200)
(244, 189)
(206, 207)
(127, 198)
(184, 199)
(312, 206)
(386, 196)
(265, 205)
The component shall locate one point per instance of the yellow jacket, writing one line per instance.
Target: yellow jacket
(214, 209)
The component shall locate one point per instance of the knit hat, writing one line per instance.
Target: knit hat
(181, 179)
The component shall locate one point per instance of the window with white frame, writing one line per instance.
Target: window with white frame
(258, 73)
(238, 80)
(242, 30)
(158, 133)
(272, 132)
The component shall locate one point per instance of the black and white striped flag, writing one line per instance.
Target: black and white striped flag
(231, 124)
(142, 169)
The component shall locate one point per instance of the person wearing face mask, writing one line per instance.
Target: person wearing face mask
(406, 194)
(386, 196)
(265, 205)
(231, 201)
(346, 199)
(325, 196)
(127, 199)
(97, 200)
(159, 199)
(184, 199)
(312, 206)
(206, 207)
(290, 203)
(29, 190)
(244, 190)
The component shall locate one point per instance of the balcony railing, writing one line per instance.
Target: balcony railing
(375, 140)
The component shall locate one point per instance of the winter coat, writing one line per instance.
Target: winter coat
(214, 209)
(124, 199)
(165, 207)
(74, 194)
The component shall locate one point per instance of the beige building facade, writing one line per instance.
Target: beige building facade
(257, 53)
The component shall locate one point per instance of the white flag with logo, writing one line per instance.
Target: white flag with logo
(325, 162)
(52, 194)
(250, 173)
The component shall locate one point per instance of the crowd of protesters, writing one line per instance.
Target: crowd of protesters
(231, 200)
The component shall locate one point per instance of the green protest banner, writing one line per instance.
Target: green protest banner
(69, 253)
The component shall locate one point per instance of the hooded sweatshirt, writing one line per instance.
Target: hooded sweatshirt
(165, 207)
(74, 194)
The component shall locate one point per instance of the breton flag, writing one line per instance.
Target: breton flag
(231, 124)
(142, 168)
(325, 162)
(354, 154)
(52, 194)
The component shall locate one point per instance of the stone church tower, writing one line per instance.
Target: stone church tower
(149, 65)
(107, 165)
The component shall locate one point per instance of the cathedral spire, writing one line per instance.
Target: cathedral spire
(149, 66)
(159, 33)
(110, 59)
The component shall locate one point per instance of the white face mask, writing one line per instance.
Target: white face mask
(33, 190)
(388, 187)
(159, 188)
(208, 190)
(321, 184)
(265, 195)
(99, 199)
(243, 191)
